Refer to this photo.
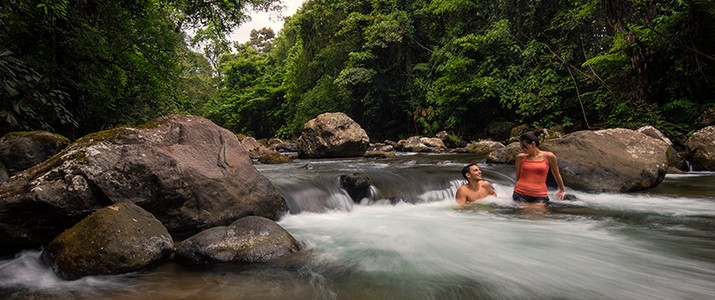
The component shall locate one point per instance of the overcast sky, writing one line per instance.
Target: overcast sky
(262, 19)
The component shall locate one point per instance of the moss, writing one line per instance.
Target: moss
(40, 135)
(98, 137)
(154, 123)
(273, 158)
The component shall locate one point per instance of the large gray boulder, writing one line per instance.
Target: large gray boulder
(117, 239)
(188, 172)
(701, 149)
(610, 160)
(248, 240)
(22, 150)
(332, 135)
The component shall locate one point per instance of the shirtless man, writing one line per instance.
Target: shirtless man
(476, 188)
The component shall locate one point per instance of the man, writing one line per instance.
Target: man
(476, 188)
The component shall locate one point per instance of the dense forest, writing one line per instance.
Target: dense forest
(474, 68)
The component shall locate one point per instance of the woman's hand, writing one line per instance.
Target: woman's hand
(561, 194)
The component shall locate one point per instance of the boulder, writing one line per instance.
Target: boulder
(382, 147)
(610, 160)
(252, 146)
(281, 146)
(22, 150)
(332, 135)
(505, 155)
(379, 154)
(117, 239)
(250, 239)
(188, 172)
(357, 185)
(675, 161)
(274, 157)
(421, 144)
(701, 149)
(484, 146)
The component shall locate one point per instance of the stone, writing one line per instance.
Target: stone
(187, 171)
(356, 185)
(505, 155)
(117, 239)
(484, 146)
(701, 149)
(610, 160)
(332, 135)
(21, 150)
(250, 239)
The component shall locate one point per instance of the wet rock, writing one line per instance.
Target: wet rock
(117, 239)
(357, 185)
(250, 239)
(332, 135)
(22, 150)
(701, 149)
(188, 172)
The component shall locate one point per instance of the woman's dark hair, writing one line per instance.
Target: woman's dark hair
(532, 136)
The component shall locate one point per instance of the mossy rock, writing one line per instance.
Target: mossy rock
(117, 239)
(273, 157)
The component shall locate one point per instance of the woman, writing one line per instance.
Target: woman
(532, 168)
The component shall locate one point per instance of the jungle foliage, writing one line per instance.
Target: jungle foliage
(397, 67)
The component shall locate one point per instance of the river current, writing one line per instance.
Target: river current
(408, 240)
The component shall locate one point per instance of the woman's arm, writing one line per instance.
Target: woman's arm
(554, 165)
(519, 159)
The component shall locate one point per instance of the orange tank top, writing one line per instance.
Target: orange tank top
(532, 178)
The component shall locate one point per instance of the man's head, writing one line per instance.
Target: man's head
(473, 171)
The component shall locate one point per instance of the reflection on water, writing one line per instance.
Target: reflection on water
(657, 245)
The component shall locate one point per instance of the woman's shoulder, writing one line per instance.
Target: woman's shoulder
(548, 154)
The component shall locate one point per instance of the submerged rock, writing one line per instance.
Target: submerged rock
(332, 135)
(187, 171)
(117, 239)
(248, 240)
(357, 185)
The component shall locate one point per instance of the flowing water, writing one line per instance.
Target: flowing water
(407, 240)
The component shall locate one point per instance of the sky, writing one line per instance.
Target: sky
(259, 20)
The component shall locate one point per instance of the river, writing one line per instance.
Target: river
(409, 241)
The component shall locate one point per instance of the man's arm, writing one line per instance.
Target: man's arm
(488, 187)
(461, 195)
